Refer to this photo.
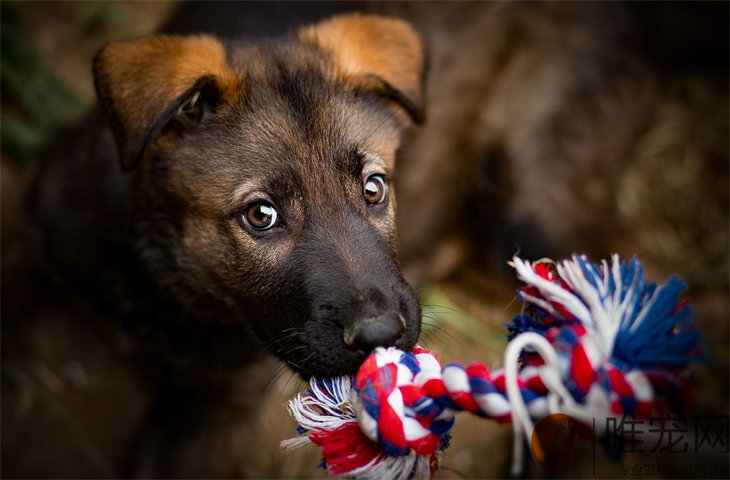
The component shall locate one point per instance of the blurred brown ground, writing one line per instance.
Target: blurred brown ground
(689, 237)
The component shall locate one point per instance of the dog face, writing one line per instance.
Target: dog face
(262, 181)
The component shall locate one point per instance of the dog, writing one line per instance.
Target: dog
(250, 208)
(550, 129)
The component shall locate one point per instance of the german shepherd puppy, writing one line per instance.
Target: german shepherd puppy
(264, 177)
(257, 207)
(253, 207)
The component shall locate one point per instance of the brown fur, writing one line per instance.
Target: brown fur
(187, 292)
(552, 128)
(142, 78)
(368, 50)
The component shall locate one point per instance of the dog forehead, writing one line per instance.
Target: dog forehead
(291, 112)
(292, 125)
(290, 99)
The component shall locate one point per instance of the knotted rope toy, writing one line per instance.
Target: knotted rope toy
(592, 342)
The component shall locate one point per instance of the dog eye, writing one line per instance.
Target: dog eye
(375, 189)
(260, 215)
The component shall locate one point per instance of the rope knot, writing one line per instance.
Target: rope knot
(393, 407)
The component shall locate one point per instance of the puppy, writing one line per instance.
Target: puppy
(552, 128)
(249, 206)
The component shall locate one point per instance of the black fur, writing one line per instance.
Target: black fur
(161, 257)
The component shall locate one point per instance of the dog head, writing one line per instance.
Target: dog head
(262, 180)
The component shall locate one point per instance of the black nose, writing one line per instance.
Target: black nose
(381, 331)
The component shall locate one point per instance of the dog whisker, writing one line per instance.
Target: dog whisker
(286, 384)
(375, 130)
(279, 371)
(300, 347)
(440, 330)
(283, 389)
(432, 336)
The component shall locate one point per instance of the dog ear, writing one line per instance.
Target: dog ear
(373, 53)
(144, 85)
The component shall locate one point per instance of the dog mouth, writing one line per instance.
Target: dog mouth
(334, 315)
(330, 350)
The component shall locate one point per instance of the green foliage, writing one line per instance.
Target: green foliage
(442, 316)
(34, 101)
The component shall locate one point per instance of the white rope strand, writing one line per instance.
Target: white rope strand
(521, 421)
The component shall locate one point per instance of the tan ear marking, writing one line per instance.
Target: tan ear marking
(363, 46)
(137, 81)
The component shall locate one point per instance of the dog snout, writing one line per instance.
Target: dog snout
(380, 331)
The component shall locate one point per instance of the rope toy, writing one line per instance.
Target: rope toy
(592, 341)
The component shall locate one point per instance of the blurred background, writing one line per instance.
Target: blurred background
(668, 201)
